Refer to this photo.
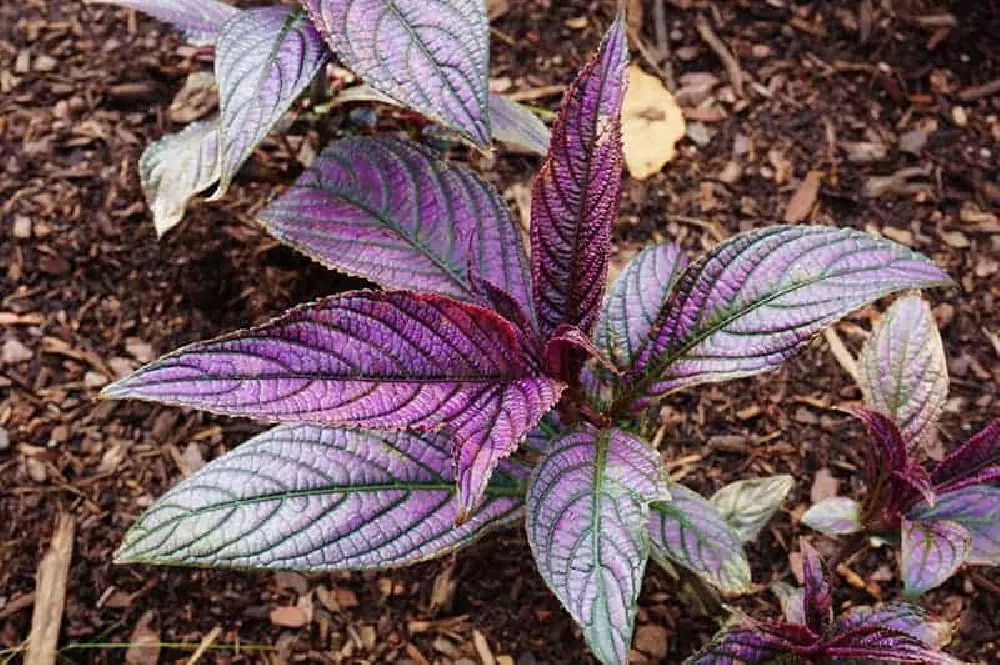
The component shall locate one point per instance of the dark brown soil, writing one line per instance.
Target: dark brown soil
(89, 292)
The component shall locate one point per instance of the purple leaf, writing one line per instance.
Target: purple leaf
(883, 645)
(575, 198)
(587, 507)
(836, 516)
(177, 167)
(431, 56)
(320, 498)
(515, 123)
(793, 602)
(932, 552)
(567, 348)
(754, 300)
(890, 448)
(818, 598)
(383, 360)
(976, 461)
(902, 617)
(903, 371)
(975, 508)
(748, 505)
(199, 20)
(394, 213)
(264, 58)
(691, 532)
(752, 642)
(634, 300)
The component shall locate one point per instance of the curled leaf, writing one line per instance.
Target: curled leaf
(836, 516)
(652, 124)
(932, 552)
(319, 498)
(755, 299)
(587, 508)
(177, 167)
(903, 371)
(431, 56)
(264, 58)
(199, 20)
(748, 505)
(575, 198)
(691, 532)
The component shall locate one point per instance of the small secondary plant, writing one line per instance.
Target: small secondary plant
(483, 387)
(895, 632)
(941, 518)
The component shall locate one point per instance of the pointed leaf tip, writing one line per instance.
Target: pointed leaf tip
(431, 56)
(748, 505)
(575, 197)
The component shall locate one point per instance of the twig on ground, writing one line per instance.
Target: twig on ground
(729, 61)
(205, 644)
(663, 43)
(978, 92)
(50, 594)
(841, 353)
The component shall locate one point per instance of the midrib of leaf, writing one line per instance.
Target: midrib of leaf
(651, 373)
(600, 465)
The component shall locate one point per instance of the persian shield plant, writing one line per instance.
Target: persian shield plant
(943, 518)
(889, 633)
(483, 387)
(430, 57)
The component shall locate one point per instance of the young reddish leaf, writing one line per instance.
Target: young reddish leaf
(818, 598)
(748, 505)
(431, 56)
(883, 645)
(515, 123)
(888, 461)
(383, 360)
(199, 20)
(899, 616)
(975, 508)
(264, 58)
(320, 498)
(754, 300)
(177, 167)
(890, 446)
(587, 507)
(566, 350)
(393, 212)
(977, 461)
(575, 198)
(690, 531)
(932, 552)
(903, 371)
(634, 300)
(755, 643)
(836, 516)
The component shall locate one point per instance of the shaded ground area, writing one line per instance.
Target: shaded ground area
(87, 293)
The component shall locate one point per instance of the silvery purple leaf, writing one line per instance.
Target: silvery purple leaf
(634, 300)
(386, 360)
(515, 123)
(875, 644)
(199, 20)
(748, 505)
(393, 212)
(903, 371)
(792, 599)
(575, 197)
(431, 56)
(177, 167)
(818, 594)
(691, 532)
(754, 300)
(836, 516)
(264, 58)
(931, 553)
(977, 509)
(751, 642)
(318, 498)
(903, 617)
(587, 507)
(977, 461)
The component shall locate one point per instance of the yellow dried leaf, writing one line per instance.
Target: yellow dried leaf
(652, 123)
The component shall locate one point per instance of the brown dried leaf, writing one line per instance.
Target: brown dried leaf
(652, 124)
(804, 198)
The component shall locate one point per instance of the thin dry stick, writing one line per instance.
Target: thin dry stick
(663, 43)
(841, 353)
(729, 61)
(205, 644)
(980, 91)
(50, 594)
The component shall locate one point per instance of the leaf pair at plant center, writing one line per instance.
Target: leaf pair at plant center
(947, 517)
